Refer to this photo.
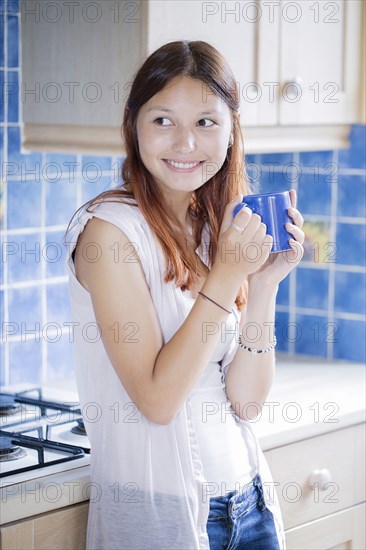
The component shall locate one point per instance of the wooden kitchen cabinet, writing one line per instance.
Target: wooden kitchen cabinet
(298, 68)
(320, 483)
(64, 529)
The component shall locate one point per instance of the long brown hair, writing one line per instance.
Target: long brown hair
(201, 61)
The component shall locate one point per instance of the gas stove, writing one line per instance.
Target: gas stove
(41, 433)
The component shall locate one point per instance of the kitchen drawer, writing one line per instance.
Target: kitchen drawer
(340, 531)
(64, 529)
(340, 458)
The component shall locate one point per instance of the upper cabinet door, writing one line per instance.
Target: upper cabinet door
(78, 60)
(320, 62)
(233, 28)
(297, 67)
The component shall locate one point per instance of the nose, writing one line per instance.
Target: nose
(184, 141)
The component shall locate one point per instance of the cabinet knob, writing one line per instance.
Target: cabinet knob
(292, 88)
(320, 477)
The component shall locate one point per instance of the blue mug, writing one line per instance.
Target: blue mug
(272, 208)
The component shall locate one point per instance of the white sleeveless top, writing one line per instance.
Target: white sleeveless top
(151, 483)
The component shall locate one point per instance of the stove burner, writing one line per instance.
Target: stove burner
(8, 405)
(9, 451)
(79, 429)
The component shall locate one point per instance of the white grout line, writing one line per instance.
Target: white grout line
(324, 313)
(333, 230)
(34, 230)
(34, 282)
(43, 277)
(292, 283)
(337, 267)
(5, 202)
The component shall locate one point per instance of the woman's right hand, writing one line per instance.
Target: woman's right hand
(241, 253)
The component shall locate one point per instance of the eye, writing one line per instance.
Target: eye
(207, 120)
(159, 119)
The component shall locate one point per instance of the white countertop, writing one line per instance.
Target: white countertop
(308, 398)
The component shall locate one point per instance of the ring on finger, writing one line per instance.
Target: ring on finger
(238, 228)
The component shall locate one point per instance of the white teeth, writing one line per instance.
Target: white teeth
(181, 165)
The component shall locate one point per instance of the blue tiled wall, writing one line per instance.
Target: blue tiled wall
(320, 305)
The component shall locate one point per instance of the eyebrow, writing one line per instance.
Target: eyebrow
(160, 108)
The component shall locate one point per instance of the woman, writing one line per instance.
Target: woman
(164, 381)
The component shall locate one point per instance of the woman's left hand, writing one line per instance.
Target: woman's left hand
(279, 265)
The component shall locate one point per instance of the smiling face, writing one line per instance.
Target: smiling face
(183, 133)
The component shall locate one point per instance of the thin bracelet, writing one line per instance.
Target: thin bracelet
(204, 295)
(255, 351)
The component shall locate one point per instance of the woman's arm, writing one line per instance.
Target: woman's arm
(250, 376)
(159, 377)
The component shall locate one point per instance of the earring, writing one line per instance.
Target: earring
(230, 143)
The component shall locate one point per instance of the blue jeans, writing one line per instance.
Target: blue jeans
(241, 521)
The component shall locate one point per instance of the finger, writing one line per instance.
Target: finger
(252, 226)
(293, 197)
(228, 214)
(298, 234)
(242, 218)
(296, 217)
(294, 255)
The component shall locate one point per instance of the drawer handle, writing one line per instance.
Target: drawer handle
(320, 477)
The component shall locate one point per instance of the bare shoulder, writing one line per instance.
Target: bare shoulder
(102, 244)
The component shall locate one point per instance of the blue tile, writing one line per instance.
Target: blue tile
(272, 182)
(25, 309)
(13, 6)
(60, 202)
(351, 340)
(2, 98)
(60, 364)
(13, 41)
(58, 305)
(350, 292)
(24, 204)
(24, 164)
(3, 380)
(59, 166)
(283, 296)
(351, 240)
(312, 288)
(3, 240)
(2, 38)
(314, 197)
(312, 334)
(281, 326)
(250, 159)
(354, 156)
(92, 189)
(351, 196)
(2, 172)
(316, 159)
(274, 159)
(13, 96)
(25, 362)
(55, 254)
(94, 166)
(23, 255)
(2, 313)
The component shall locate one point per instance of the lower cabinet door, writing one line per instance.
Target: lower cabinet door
(343, 530)
(64, 529)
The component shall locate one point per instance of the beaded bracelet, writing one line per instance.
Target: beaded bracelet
(255, 351)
